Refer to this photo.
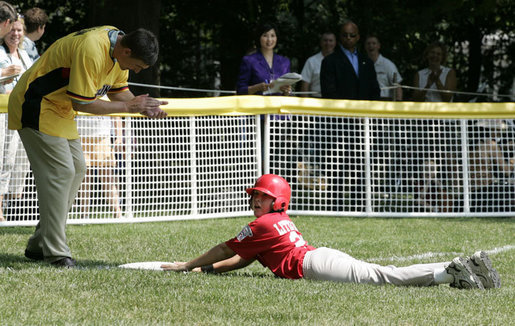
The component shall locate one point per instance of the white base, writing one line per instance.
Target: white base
(148, 265)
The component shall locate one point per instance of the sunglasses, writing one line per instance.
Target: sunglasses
(348, 35)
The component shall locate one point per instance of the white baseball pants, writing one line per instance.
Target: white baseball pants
(333, 265)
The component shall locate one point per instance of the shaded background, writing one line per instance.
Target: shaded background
(202, 42)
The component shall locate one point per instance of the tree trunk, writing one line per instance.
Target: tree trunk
(474, 64)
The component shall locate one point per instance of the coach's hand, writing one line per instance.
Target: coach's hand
(146, 105)
(156, 113)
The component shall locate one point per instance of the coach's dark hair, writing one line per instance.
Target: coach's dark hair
(34, 19)
(7, 11)
(143, 44)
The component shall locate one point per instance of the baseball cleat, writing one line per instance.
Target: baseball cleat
(464, 278)
(481, 265)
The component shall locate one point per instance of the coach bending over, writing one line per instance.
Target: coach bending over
(72, 75)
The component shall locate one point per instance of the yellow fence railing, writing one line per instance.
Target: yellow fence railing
(253, 104)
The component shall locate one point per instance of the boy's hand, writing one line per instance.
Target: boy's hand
(177, 266)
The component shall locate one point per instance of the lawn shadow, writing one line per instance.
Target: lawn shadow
(10, 260)
(16, 230)
(20, 261)
(247, 274)
(96, 264)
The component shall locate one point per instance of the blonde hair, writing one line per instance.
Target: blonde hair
(433, 46)
(20, 45)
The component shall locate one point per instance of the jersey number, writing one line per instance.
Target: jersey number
(284, 227)
(297, 239)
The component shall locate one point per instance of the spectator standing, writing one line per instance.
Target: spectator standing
(258, 70)
(311, 71)
(438, 136)
(347, 74)
(95, 135)
(435, 77)
(8, 16)
(35, 23)
(13, 156)
(311, 83)
(386, 71)
(387, 76)
(12, 53)
(42, 108)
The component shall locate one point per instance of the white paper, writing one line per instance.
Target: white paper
(4, 78)
(286, 79)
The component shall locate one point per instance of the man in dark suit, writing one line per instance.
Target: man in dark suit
(347, 74)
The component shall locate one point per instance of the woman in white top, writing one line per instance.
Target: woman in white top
(12, 54)
(435, 76)
(13, 60)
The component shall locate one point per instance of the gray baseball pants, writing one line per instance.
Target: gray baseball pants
(333, 265)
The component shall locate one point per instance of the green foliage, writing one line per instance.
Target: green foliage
(404, 27)
(202, 42)
(64, 17)
(101, 294)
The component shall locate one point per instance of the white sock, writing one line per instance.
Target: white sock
(442, 277)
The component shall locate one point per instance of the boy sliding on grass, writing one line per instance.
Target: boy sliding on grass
(276, 243)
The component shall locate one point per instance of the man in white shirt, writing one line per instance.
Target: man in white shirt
(387, 73)
(311, 71)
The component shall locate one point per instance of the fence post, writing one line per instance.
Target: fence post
(368, 186)
(265, 152)
(193, 166)
(129, 213)
(465, 164)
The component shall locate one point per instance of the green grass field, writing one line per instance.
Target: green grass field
(100, 293)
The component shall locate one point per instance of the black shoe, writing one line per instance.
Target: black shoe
(34, 255)
(65, 262)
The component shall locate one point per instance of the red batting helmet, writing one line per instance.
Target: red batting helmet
(276, 187)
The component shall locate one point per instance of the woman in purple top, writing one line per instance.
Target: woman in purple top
(259, 69)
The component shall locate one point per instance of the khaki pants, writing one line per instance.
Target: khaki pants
(333, 265)
(59, 168)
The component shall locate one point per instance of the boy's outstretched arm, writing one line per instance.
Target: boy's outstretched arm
(218, 253)
(235, 262)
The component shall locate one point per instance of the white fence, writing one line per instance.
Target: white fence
(175, 168)
(395, 167)
(199, 166)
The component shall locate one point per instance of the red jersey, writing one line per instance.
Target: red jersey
(275, 242)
